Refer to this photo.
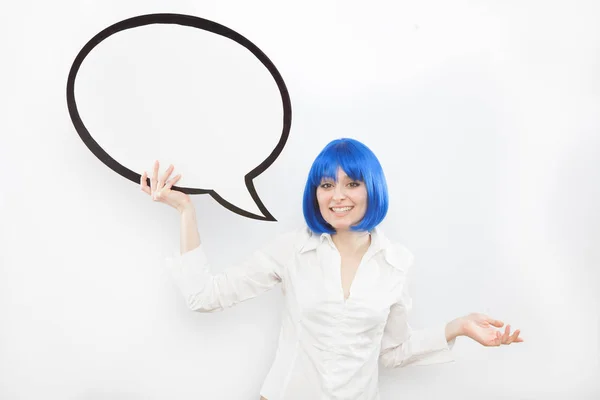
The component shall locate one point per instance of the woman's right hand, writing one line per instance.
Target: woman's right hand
(160, 189)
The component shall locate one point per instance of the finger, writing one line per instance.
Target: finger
(506, 334)
(510, 339)
(171, 182)
(498, 340)
(154, 179)
(144, 183)
(163, 178)
(514, 337)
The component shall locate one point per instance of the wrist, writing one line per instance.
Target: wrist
(186, 208)
(454, 329)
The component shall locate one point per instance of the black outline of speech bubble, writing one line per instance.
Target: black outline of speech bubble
(210, 26)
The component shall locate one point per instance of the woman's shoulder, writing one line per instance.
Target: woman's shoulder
(395, 252)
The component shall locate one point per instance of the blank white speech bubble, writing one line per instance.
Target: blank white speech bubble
(185, 91)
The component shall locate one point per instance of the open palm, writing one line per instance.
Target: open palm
(482, 329)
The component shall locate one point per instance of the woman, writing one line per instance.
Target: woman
(344, 284)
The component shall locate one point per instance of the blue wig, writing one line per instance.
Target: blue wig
(360, 164)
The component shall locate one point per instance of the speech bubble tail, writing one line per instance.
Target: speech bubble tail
(244, 201)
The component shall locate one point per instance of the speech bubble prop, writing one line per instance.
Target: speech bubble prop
(237, 201)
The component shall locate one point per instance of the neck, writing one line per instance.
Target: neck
(350, 240)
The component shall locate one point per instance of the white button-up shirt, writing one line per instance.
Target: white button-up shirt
(329, 347)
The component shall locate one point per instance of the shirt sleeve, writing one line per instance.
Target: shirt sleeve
(401, 345)
(205, 291)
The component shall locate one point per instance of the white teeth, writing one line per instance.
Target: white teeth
(341, 209)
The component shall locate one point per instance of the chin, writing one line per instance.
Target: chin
(341, 228)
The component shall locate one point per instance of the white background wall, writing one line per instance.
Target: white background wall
(485, 116)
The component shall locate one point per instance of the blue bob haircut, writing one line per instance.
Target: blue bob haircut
(359, 163)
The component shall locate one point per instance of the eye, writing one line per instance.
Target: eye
(354, 184)
(326, 185)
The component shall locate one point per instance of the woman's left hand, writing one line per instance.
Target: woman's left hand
(481, 328)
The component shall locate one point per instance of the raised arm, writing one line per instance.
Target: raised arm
(203, 290)
(189, 236)
(206, 291)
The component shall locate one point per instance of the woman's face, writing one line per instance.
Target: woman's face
(342, 204)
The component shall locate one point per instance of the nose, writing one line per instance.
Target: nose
(339, 193)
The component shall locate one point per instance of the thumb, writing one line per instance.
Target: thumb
(496, 323)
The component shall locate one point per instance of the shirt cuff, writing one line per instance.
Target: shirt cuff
(190, 270)
(439, 349)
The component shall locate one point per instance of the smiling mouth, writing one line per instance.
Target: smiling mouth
(341, 209)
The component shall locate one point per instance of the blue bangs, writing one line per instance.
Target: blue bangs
(333, 157)
(359, 163)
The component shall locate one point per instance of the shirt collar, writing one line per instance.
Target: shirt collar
(379, 242)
